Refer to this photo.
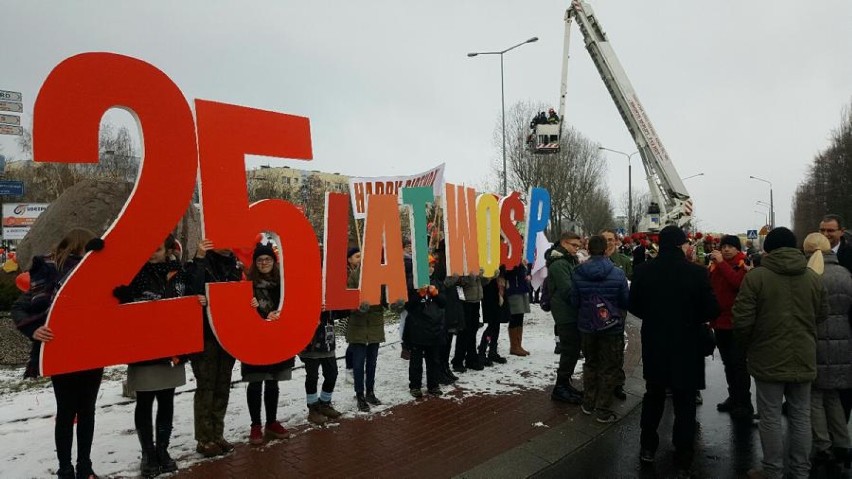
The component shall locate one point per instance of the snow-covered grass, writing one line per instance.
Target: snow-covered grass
(26, 413)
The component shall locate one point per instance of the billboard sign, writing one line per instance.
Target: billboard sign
(19, 217)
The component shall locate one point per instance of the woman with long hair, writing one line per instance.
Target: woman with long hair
(265, 275)
(161, 277)
(76, 393)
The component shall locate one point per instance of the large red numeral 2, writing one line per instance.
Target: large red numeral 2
(91, 329)
(225, 134)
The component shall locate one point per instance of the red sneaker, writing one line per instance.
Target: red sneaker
(275, 430)
(256, 435)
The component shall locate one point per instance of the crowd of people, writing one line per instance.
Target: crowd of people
(779, 316)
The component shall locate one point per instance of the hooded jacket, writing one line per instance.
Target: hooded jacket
(599, 276)
(726, 277)
(775, 317)
(560, 267)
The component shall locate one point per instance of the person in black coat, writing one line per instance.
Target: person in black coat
(424, 333)
(674, 300)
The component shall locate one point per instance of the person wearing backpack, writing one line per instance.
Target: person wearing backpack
(600, 294)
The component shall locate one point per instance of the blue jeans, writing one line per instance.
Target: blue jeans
(364, 355)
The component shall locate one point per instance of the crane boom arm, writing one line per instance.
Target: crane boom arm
(666, 186)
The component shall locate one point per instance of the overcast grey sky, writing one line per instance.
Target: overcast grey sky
(733, 88)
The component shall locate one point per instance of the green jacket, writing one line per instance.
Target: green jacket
(560, 268)
(623, 263)
(365, 328)
(775, 317)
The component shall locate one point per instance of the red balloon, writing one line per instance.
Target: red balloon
(12, 256)
(2, 250)
(22, 281)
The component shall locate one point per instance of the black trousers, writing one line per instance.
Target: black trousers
(489, 338)
(736, 370)
(446, 348)
(420, 354)
(269, 391)
(683, 431)
(466, 340)
(76, 395)
(569, 352)
(329, 374)
(144, 410)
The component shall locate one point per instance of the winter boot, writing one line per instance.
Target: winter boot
(372, 399)
(449, 373)
(493, 356)
(562, 394)
(164, 460)
(148, 467)
(515, 342)
(363, 405)
(520, 334)
(485, 360)
(327, 410)
(315, 416)
(66, 472)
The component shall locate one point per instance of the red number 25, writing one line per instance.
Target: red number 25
(91, 329)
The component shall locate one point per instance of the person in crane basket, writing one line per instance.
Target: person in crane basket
(552, 117)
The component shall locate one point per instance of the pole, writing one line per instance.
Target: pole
(630, 227)
(771, 209)
(503, 106)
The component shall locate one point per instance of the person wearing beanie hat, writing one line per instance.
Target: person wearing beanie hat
(262, 387)
(673, 298)
(727, 271)
(353, 261)
(834, 352)
(731, 240)
(779, 238)
(775, 319)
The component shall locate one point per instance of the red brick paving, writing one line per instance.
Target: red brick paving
(430, 438)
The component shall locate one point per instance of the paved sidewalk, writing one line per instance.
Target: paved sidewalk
(506, 435)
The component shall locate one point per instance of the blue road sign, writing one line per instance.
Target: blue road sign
(751, 234)
(12, 188)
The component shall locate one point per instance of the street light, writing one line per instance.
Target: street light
(629, 185)
(692, 176)
(503, 99)
(771, 201)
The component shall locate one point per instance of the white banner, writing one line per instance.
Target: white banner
(360, 188)
(18, 217)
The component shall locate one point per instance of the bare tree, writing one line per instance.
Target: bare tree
(596, 213)
(571, 175)
(641, 201)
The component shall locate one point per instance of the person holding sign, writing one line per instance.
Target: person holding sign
(265, 275)
(76, 393)
(364, 333)
(160, 278)
(213, 366)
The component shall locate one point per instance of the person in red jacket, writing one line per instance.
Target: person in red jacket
(727, 270)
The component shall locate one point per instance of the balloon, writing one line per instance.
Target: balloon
(22, 281)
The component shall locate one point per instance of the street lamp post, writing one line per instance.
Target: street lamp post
(503, 99)
(771, 201)
(629, 186)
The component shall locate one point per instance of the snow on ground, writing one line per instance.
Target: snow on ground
(26, 414)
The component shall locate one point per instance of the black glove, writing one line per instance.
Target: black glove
(123, 293)
(95, 244)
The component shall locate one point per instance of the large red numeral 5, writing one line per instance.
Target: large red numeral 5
(91, 329)
(225, 134)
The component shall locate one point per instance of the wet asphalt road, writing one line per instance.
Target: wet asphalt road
(724, 449)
